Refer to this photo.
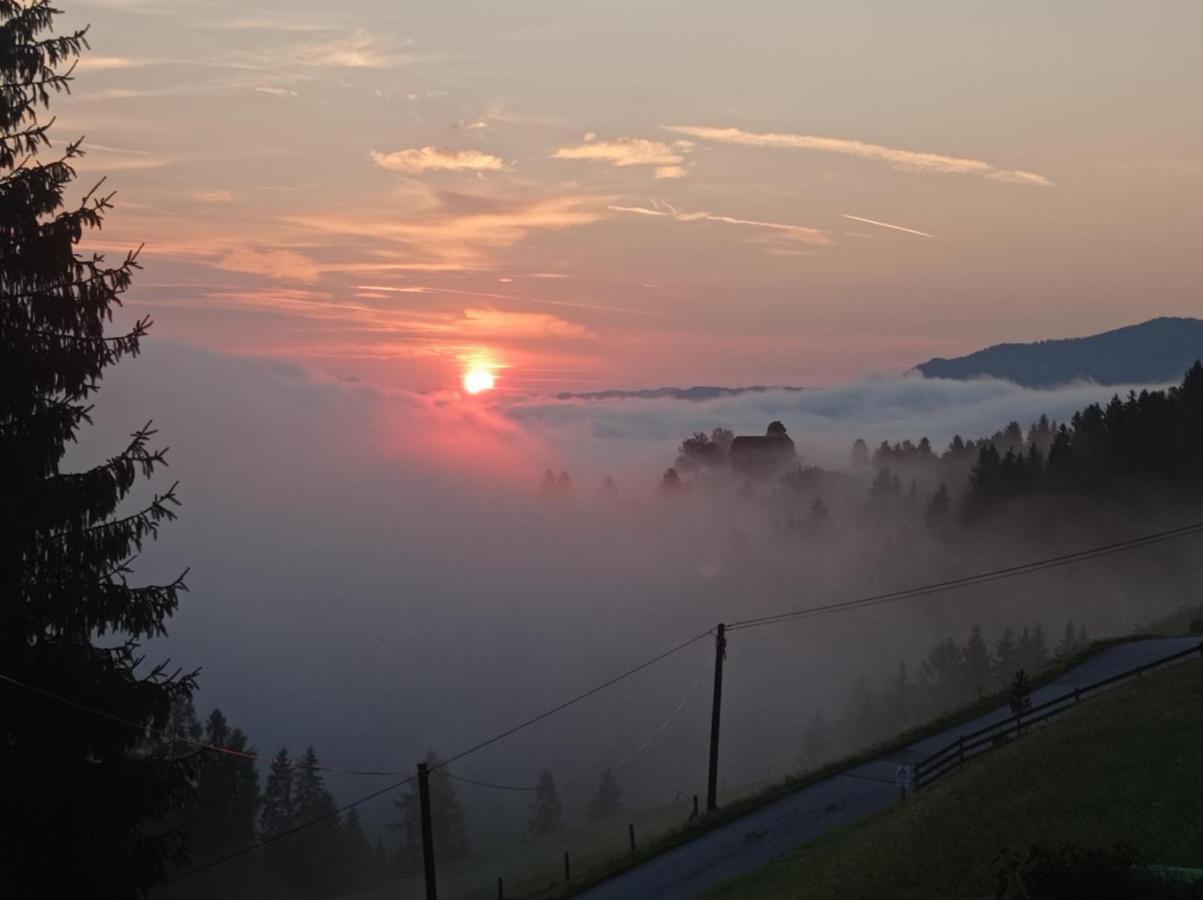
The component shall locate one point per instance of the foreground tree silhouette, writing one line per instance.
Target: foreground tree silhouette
(83, 796)
(546, 811)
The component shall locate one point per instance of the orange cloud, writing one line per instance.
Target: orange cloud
(437, 159)
(624, 152)
(455, 229)
(283, 264)
(900, 160)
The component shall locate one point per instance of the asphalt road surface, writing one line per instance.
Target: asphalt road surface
(784, 825)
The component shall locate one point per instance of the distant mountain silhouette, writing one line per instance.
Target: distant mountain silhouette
(698, 392)
(1154, 352)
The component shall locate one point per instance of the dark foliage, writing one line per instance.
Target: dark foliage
(546, 811)
(607, 798)
(86, 801)
(448, 820)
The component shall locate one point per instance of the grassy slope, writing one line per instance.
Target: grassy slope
(534, 869)
(1123, 767)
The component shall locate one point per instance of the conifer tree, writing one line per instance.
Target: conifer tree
(607, 798)
(315, 869)
(449, 820)
(1005, 657)
(546, 809)
(977, 662)
(222, 819)
(278, 814)
(90, 795)
(356, 856)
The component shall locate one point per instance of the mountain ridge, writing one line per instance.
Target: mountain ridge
(1156, 351)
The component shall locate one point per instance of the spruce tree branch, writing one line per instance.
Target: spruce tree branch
(153, 511)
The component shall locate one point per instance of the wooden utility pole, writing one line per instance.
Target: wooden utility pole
(432, 891)
(720, 652)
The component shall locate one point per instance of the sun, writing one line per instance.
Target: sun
(478, 379)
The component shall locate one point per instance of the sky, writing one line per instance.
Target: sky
(582, 196)
(344, 207)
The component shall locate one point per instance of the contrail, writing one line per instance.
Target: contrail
(888, 225)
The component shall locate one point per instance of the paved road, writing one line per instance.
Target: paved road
(774, 830)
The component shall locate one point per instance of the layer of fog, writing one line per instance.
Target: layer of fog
(375, 573)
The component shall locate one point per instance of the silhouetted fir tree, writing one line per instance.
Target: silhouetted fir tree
(277, 815)
(977, 663)
(860, 453)
(85, 800)
(357, 861)
(608, 489)
(885, 490)
(943, 673)
(939, 508)
(607, 797)
(222, 820)
(1032, 648)
(317, 845)
(546, 810)
(1068, 645)
(1006, 655)
(1039, 646)
(547, 487)
(564, 486)
(449, 821)
(381, 870)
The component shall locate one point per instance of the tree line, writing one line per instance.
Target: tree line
(231, 811)
(950, 675)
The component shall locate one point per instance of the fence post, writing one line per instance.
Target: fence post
(1076, 695)
(631, 833)
(567, 868)
(432, 892)
(694, 814)
(500, 889)
(720, 652)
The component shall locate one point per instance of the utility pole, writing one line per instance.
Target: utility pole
(432, 891)
(720, 652)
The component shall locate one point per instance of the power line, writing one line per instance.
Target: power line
(970, 580)
(191, 742)
(925, 590)
(392, 787)
(271, 839)
(489, 784)
(577, 699)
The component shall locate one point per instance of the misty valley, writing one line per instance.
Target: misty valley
(478, 450)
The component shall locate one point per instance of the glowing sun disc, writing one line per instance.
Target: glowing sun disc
(477, 380)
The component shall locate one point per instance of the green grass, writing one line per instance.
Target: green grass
(533, 870)
(1123, 767)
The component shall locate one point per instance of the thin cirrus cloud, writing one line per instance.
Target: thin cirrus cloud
(800, 233)
(416, 160)
(666, 159)
(899, 160)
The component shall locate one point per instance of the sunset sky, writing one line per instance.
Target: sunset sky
(594, 195)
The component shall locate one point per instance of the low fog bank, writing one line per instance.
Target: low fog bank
(637, 436)
(377, 573)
